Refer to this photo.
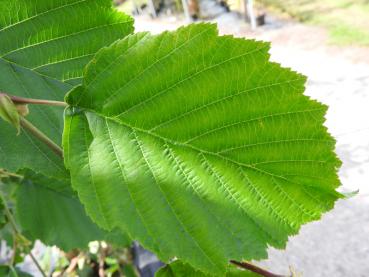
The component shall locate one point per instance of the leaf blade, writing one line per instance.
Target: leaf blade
(42, 55)
(47, 209)
(204, 133)
(41, 36)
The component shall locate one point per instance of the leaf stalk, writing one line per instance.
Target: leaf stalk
(41, 136)
(255, 269)
(22, 100)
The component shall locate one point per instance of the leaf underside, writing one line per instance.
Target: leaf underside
(48, 210)
(198, 146)
(57, 38)
(44, 46)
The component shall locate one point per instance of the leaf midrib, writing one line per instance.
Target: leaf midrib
(217, 155)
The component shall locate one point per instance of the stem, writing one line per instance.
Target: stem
(37, 264)
(254, 268)
(30, 127)
(9, 174)
(14, 251)
(41, 136)
(22, 100)
(9, 215)
(18, 233)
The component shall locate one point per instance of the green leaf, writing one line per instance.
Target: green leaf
(117, 238)
(24, 150)
(47, 209)
(198, 146)
(9, 112)
(57, 38)
(44, 47)
(6, 234)
(179, 269)
(129, 271)
(6, 231)
(7, 271)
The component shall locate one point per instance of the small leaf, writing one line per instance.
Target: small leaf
(9, 112)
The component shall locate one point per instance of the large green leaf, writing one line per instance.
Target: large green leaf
(44, 46)
(48, 210)
(198, 146)
(179, 269)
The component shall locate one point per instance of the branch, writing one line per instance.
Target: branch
(9, 215)
(41, 136)
(254, 268)
(22, 100)
(37, 264)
